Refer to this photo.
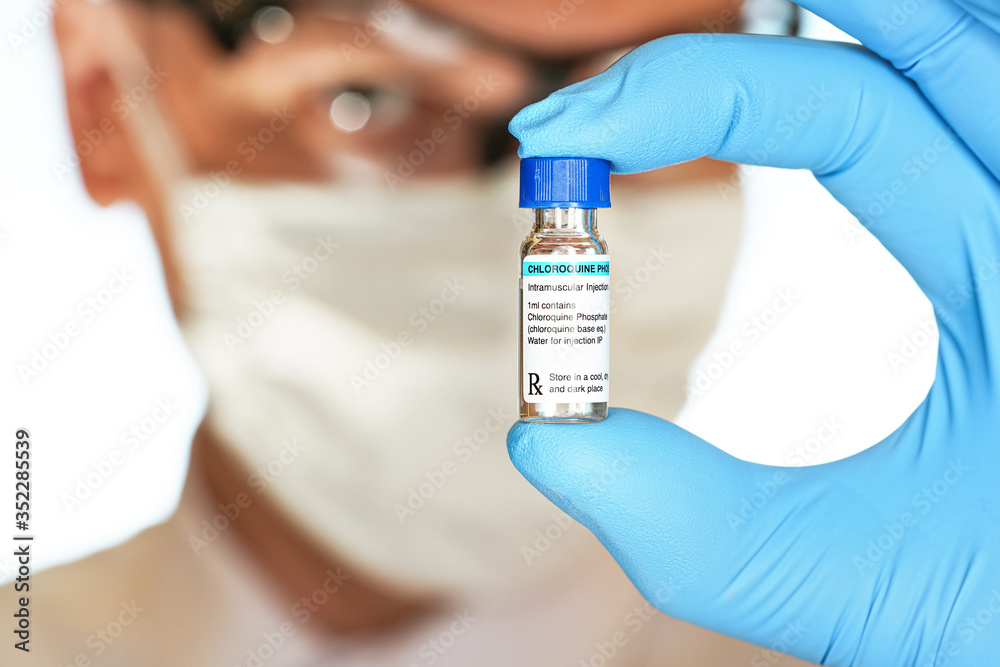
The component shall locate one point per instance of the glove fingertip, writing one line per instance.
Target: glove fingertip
(565, 455)
(519, 443)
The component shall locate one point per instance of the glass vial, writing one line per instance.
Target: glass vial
(565, 283)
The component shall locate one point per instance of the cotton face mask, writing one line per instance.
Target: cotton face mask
(357, 346)
(352, 350)
(357, 366)
(360, 342)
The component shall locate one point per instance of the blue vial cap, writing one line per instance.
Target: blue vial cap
(565, 182)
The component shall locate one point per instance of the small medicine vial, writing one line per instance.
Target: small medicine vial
(565, 292)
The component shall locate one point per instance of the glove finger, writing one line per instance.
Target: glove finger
(987, 11)
(947, 51)
(862, 128)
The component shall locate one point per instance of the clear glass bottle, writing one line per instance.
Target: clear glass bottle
(563, 360)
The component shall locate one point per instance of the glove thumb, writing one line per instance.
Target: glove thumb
(704, 536)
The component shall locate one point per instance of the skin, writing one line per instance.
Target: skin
(212, 101)
(564, 28)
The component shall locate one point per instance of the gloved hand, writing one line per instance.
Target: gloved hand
(889, 557)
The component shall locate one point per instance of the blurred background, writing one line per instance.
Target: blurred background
(832, 373)
(855, 306)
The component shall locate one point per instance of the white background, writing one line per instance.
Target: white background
(59, 249)
(827, 357)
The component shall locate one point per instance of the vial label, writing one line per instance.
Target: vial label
(566, 306)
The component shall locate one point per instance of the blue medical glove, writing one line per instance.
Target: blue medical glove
(892, 556)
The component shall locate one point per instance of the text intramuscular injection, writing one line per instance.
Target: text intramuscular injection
(565, 292)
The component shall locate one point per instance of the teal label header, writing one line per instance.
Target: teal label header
(574, 267)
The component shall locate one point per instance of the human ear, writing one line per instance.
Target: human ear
(107, 153)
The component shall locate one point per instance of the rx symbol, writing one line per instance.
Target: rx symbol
(534, 386)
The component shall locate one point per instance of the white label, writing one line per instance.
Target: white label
(566, 304)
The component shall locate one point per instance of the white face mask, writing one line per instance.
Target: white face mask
(360, 351)
(359, 347)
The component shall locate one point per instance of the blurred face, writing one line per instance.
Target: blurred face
(370, 79)
(322, 93)
(325, 90)
(301, 94)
